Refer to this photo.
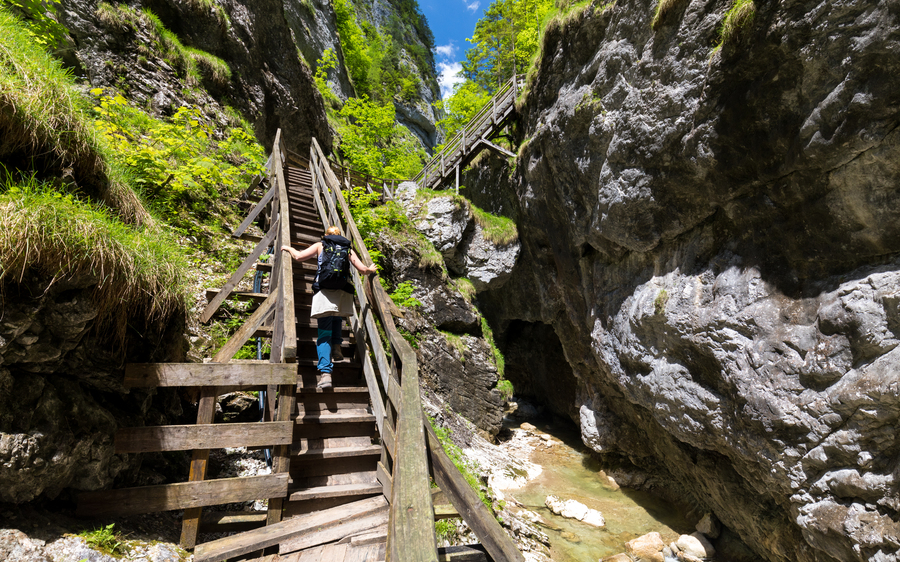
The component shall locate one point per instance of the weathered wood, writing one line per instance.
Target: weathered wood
(282, 454)
(231, 521)
(375, 536)
(336, 491)
(215, 436)
(244, 332)
(145, 375)
(384, 477)
(368, 370)
(234, 546)
(254, 213)
(229, 286)
(466, 501)
(206, 414)
(324, 534)
(289, 351)
(462, 554)
(183, 495)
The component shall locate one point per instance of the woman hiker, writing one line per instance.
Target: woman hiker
(333, 295)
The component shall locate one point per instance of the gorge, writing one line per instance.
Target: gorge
(706, 278)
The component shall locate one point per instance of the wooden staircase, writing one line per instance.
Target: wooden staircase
(353, 463)
(474, 137)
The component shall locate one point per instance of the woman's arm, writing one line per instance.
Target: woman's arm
(305, 254)
(359, 265)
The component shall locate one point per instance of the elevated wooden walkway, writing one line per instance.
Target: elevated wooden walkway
(354, 464)
(474, 137)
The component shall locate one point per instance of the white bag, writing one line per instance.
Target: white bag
(332, 302)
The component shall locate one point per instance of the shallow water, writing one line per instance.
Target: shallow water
(570, 473)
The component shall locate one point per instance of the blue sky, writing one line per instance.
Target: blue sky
(452, 22)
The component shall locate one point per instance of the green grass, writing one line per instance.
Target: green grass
(499, 360)
(663, 7)
(193, 64)
(105, 540)
(465, 287)
(738, 17)
(506, 389)
(496, 229)
(44, 121)
(456, 342)
(58, 236)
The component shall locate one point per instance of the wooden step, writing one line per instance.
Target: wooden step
(338, 418)
(334, 431)
(336, 452)
(321, 492)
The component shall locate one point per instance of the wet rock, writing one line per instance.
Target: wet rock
(572, 509)
(621, 557)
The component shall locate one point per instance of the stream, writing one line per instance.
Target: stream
(569, 472)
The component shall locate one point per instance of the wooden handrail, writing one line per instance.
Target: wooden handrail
(454, 151)
(397, 404)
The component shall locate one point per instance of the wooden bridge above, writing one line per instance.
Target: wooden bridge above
(353, 465)
(474, 137)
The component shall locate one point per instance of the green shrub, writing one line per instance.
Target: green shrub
(499, 360)
(105, 540)
(464, 466)
(38, 16)
(175, 163)
(659, 304)
(402, 295)
(324, 65)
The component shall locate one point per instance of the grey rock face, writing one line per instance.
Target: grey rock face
(61, 398)
(449, 225)
(713, 243)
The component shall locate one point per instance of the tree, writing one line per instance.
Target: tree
(375, 144)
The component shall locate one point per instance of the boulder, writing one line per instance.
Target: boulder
(695, 545)
(646, 548)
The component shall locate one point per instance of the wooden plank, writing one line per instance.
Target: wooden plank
(330, 533)
(368, 370)
(384, 478)
(495, 540)
(254, 212)
(236, 277)
(336, 491)
(206, 414)
(244, 332)
(445, 511)
(215, 436)
(231, 521)
(270, 535)
(282, 453)
(145, 375)
(462, 554)
(183, 495)
(289, 350)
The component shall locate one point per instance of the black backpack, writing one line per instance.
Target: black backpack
(335, 266)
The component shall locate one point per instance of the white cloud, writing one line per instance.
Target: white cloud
(447, 51)
(472, 6)
(450, 74)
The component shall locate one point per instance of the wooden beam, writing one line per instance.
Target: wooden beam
(496, 147)
(211, 436)
(271, 535)
(254, 213)
(206, 414)
(325, 534)
(184, 495)
(244, 332)
(288, 347)
(229, 286)
(495, 540)
(145, 375)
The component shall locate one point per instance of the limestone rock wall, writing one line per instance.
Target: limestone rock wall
(271, 85)
(710, 239)
(61, 397)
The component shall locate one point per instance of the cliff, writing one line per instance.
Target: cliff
(710, 269)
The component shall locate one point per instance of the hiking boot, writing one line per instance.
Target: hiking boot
(324, 380)
(336, 354)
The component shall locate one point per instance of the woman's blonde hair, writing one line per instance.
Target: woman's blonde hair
(333, 230)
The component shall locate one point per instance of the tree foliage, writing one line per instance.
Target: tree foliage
(375, 144)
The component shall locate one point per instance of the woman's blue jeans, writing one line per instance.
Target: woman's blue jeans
(329, 335)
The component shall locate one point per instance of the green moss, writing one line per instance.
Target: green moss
(506, 389)
(464, 466)
(456, 342)
(499, 360)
